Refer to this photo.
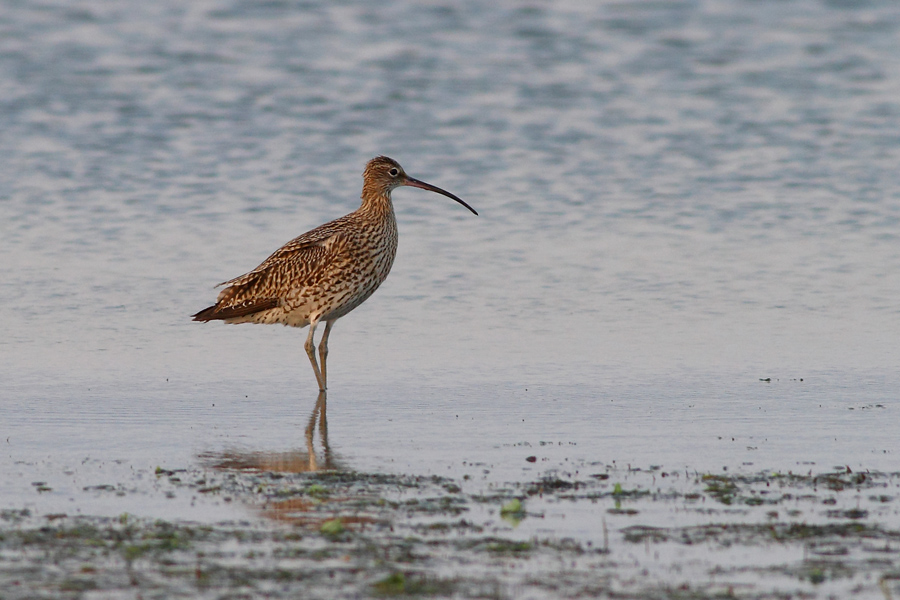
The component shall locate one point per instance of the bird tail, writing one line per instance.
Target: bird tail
(207, 314)
(247, 307)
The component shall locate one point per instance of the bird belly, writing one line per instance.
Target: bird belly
(326, 304)
(340, 295)
(351, 300)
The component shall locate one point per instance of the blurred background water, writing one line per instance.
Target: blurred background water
(677, 200)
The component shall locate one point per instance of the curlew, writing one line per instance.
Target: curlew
(325, 273)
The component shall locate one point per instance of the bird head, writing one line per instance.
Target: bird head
(383, 175)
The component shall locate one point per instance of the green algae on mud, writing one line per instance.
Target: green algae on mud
(349, 535)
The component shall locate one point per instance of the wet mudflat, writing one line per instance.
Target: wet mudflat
(333, 534)
(712, 486)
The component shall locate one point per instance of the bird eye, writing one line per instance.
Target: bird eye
(394, 172)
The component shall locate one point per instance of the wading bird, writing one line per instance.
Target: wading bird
(325, 273)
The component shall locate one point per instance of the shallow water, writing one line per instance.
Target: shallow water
(677, 201)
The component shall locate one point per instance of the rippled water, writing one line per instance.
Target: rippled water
(677, 200)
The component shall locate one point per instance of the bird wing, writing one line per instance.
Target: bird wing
(305, 249)
(295, 265)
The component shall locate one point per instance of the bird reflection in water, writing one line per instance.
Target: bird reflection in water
(291, 461)
(305, 509)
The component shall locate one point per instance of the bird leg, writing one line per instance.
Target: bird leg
(310, 348)
(323, 350)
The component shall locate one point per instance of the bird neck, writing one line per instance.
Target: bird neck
(377, 204)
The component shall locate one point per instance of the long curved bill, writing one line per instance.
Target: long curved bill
(433, 188)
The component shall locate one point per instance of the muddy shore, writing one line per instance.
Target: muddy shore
(333, 534)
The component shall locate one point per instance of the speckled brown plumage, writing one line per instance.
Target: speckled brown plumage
(325, 273)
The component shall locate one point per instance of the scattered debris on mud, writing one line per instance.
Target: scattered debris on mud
(603, 532)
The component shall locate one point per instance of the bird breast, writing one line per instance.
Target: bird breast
(354, 262)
